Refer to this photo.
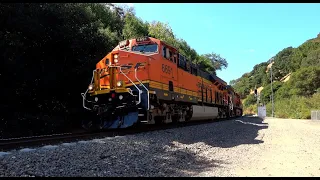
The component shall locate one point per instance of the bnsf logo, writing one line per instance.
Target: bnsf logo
(129, 66)
(166, 69)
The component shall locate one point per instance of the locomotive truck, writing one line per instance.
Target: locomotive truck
(146, 80)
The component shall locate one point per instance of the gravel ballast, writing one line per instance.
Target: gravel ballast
(240, 147)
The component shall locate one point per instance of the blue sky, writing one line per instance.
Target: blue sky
(245, 34)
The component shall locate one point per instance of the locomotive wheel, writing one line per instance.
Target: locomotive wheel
(175, 119)
(159, 119)
(188, 116)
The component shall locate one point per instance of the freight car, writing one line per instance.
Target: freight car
(146, 80)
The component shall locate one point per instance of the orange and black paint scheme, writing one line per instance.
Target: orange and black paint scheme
(145, 80)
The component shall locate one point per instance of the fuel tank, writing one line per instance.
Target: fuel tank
(204, 112)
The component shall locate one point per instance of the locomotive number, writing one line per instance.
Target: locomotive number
(166, 69)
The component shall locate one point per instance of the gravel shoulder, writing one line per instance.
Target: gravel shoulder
(245, 146)
(291, 148)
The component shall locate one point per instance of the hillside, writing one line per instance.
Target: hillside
(296, 82)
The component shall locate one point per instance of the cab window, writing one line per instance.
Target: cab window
(164, 52)
(182, 62)
(146, 48)
(170, 56)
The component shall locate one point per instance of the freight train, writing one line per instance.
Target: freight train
(146, 80)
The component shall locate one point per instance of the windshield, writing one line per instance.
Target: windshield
(147, 48)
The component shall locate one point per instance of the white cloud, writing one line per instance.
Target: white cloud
(130, 4)
(125, 4)
(251, 50)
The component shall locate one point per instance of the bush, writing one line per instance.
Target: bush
(297, 107)
(250, 100)
(251, 109)
(266, 92)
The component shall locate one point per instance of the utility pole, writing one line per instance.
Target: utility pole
(271, 88)
(256, 95)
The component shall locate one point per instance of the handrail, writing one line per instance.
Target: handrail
(231, 105)
(139, 101)
(84, 94)
(139, 90)
(135, 75)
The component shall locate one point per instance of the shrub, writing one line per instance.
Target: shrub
(297, 107)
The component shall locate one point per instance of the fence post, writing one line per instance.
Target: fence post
(315, 115)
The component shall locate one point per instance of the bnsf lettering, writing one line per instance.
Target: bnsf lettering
(166, 69)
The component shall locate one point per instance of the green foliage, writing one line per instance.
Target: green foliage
(49, 51)
(242, 86)
(163, 32)
(265, 94)
(283, 92)
(248, 81)
(281, 63)
(216, 61)
(313, 59)
(297, 107)
(303, 82)
(209, 62)
(134, 27)
(251, 109)
(250, 100)
(301, 54)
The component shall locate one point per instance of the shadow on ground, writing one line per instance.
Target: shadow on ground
(189, 151)
(225, 134)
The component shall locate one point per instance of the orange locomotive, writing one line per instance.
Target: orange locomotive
(145, 80)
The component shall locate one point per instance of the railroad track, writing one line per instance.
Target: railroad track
(36, 141)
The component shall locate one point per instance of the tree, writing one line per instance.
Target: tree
(305, 81)
(301, 53)
(282, 61)
(53, 49)
(250, 100)
(266, 91)
(163, 32)
(207, 62)
(217, 61)
(134, 27)
(313, 59)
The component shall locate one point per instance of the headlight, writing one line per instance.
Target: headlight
(90, 87)
(115, 58)
(119, 83)
(120, 97)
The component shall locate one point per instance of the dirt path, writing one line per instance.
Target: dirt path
(289, 148)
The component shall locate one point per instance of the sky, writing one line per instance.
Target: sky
(245, 34)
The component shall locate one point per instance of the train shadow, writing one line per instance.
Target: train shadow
(194, 147)
(224, 134)
(191, 151)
